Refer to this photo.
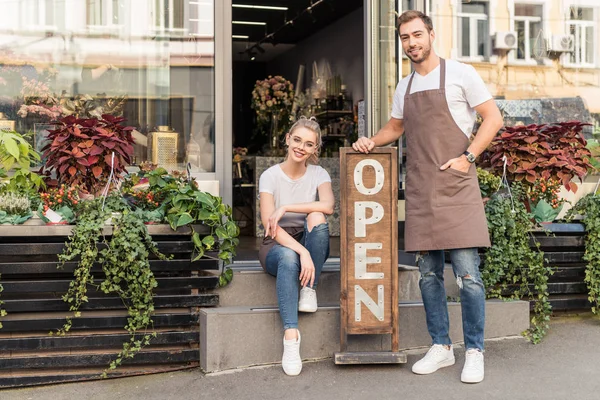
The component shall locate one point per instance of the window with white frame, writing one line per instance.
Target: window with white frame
(169, 16)
(43, 14)
(421, 5)
(104, 12)
(201, 20)
(473, 35)
(528, 25)
(582, 26)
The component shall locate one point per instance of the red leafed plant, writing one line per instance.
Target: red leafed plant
(540, 152)
(80, 151)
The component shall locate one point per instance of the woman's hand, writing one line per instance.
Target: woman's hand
(307, 269)
(273, 221)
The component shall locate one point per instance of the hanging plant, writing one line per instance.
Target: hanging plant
(81, 150)
(511, 268)
(130, 277)
(589, 208)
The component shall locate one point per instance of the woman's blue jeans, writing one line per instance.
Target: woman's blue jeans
(465, 264)
(284, 263)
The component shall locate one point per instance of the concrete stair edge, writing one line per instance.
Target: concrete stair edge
(242, 336)
(252, 286)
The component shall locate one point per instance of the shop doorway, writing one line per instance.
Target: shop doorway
(318, 46)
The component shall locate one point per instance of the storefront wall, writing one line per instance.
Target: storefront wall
(162, 62)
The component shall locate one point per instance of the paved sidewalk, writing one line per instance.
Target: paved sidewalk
(565, 366)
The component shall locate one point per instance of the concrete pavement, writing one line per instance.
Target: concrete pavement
(566, 365)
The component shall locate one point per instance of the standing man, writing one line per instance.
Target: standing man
(436, 105)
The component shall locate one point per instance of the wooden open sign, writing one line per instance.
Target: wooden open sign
(369, 252)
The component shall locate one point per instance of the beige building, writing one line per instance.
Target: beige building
(523, 49)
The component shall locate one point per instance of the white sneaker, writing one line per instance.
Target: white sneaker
(473, 370)
(308, 300)
(291, 361)
(437, 357)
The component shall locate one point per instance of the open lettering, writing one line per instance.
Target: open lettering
(361, 258)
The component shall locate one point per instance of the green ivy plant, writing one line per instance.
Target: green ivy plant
(186, 205)
(488, 183)
(589, 208)
(124, 262)
(512, 269)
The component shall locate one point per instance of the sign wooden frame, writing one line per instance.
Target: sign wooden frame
(369, 252)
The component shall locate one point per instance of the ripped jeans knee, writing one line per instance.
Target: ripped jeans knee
(469, 282)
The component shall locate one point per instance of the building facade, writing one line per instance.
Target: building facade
(523, 49)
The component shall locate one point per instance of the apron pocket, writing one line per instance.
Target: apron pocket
(456, 188)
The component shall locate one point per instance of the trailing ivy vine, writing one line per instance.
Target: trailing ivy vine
(512, 269)
(589, 208)
(124, 261)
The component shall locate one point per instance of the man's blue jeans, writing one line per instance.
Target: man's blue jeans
(284, 263)
(465, 263)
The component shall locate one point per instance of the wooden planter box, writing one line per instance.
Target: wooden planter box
(33, 287)
(564, 249)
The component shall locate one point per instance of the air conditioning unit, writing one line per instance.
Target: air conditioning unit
(561, 43)
(505, 40)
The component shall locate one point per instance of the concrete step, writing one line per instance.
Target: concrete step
(251, 286)
(235, 337)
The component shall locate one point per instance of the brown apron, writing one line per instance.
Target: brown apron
(444, 209)
(268, 243)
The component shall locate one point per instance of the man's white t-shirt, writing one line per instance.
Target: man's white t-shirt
(464, 91)
(289, 191)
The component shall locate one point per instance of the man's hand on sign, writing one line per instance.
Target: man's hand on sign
(273, 221)
(307, 269)
(460, 164)
(363, 145)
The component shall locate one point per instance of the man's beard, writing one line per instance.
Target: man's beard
(426, 52)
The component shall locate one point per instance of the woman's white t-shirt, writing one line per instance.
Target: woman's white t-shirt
(289, 191)
(465, 90)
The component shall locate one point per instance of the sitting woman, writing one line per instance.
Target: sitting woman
(296, 242)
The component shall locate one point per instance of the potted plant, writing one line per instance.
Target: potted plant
(58, 204)
(15, 209)
(272, 100)
(86, 152)
(542, 157)
(16, 157)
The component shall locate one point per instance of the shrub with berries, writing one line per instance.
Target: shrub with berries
(546, 190)
(544, 199)
(147, 199)
(61, 200)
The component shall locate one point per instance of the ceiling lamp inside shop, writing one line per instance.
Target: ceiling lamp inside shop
(261, 25)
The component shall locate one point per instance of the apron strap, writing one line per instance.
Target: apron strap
(409, 84)
(442, 73)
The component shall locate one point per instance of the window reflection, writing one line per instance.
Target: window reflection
(150, 61)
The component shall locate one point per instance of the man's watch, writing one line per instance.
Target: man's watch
(470, 156)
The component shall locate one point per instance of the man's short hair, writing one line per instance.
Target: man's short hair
(409, 15)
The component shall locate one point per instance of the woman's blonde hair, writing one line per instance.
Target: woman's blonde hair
(310, 124)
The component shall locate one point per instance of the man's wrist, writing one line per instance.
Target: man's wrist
(470, 157)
